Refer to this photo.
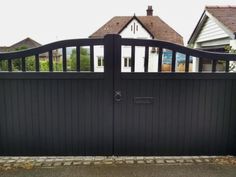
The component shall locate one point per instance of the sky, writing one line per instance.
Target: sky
(51, 20)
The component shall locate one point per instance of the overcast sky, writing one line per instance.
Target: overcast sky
(50, 20)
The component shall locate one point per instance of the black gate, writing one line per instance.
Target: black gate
(116, 113)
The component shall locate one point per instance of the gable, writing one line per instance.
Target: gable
(210, 31)
(134, 29)
(153, 25)
(217, 23)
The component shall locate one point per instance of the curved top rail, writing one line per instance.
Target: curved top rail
(50, 47)
(178, 48)
(124, 41)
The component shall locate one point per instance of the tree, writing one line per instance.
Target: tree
(16, 63)
(84, 60)
(3, 65)
(29, 61)
(232, 65)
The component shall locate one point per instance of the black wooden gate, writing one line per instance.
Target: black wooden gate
(115, 113)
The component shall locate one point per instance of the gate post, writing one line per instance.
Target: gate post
(110, 57)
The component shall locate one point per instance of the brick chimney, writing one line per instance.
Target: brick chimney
(149, 11)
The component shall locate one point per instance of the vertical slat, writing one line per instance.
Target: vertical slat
(173, 61)
(160, 59)
(227, 66)
(37, 62)
(78, 58)
(10, 65)
(200, 64)
(146, 59)
(214, 62)
(187, 63)
(64, 59)
(50, 61)
(91, 58)
(23, 64)
(132, 58)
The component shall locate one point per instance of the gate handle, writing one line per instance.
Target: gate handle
(117, 96)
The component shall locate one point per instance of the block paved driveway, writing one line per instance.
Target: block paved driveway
(137, 170)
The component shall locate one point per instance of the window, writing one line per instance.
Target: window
(100, 61)
(127, 62)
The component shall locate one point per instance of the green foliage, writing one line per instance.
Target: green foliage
(84, 60)
(57, 65)
(229, 49)
(30, 63)
(44, 64)
(3, 65)
(16, 63)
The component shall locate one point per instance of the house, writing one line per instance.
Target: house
(215, 30)
(28, 43)
(139, 27)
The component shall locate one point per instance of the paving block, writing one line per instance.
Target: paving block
(160, 161)
(189, 161)
(7, 165)
(119, 162)
(67, 163)
(77, 163)
(139, 158)
(140, 162)
(38, 164)
(206, 160)
(198, 160)
(108, 162)
(86, 162)
(170, 161)
(179, 160)
(57, 164)
(149, 161)
(129, 161)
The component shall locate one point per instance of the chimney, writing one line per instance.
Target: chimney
(149, 11)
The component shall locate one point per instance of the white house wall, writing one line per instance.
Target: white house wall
(210, 35)
(98, 52)
(135, 30)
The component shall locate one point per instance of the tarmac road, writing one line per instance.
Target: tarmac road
(137, 170)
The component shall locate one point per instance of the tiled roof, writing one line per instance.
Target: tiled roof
(28, 43)
(225, 14)
(3, 49)
(157, 27)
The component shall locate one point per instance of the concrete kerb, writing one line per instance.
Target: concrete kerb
(54, 161)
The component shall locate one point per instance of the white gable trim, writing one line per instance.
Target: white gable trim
(134, 29)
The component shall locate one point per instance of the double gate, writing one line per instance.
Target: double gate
(115, 113)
